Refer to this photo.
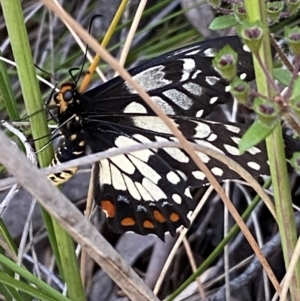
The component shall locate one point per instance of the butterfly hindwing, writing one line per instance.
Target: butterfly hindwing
(147, 191)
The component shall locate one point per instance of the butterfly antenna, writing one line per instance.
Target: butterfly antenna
(76, 80)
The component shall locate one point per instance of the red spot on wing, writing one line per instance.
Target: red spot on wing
(158, 216)
(109, 208)
(174, 217)
(148, 224)
(128, 221)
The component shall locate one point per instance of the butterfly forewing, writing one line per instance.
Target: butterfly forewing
(182, 82)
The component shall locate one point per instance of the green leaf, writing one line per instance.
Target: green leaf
(296, 89)
(295, 161)
(223, 22)
(254, 135)
(283, 76)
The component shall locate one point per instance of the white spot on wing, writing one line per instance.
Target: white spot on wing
(193, 88)
(246, 48)
(150, 79)
(187, 192)
(232, 128)
(105, 175)
(253, 165)
(175, 153)
(188, 67)
(199, 175)
(132, 188)
(204, 157)
(212, 137)
(141, 138)
(182, 174)
(236, 139)
(254, 150)
(243, 76)
(202, 130)
(123, 163)
(209, 52)
(182, 50)
(232, 150)
(176, 198)
(163, 105)
(145, 169)
(199, 113)
(211, 80)
(143, 155)
(151, 123)
(154, 190)
(135, 107)
(179, 98)
(217, 171)
(193, 52)
(188, 64)
(173, 177)
(196, 74)
(143, 192)
(209, 145)
(117, 178)
(213, 100)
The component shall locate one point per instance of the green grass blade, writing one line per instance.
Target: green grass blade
(32, 97)
(6, 94)
(32, 279)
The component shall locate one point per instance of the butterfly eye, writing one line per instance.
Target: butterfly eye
(68, 95)
(56, 98)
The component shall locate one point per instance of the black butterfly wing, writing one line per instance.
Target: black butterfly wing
(182, 82)
(148, 191)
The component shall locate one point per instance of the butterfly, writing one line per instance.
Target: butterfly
(148, 191)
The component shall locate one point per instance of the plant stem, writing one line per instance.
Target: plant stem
(276, 154)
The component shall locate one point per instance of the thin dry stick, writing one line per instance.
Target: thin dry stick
(121, 61)
(104, 43)
(290, 271)
(37, 76)
(179, 241)
(226, 248)
(87, 213)
(79, 42)
(132, 31)
(194, 267)
(131, 149)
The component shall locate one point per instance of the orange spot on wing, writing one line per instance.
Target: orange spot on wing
(158, 216)
(109, 208)
(128, 221)
(148, 224)
(174, 217)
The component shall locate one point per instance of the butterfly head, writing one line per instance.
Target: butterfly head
(68, 101)
(66, 97)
